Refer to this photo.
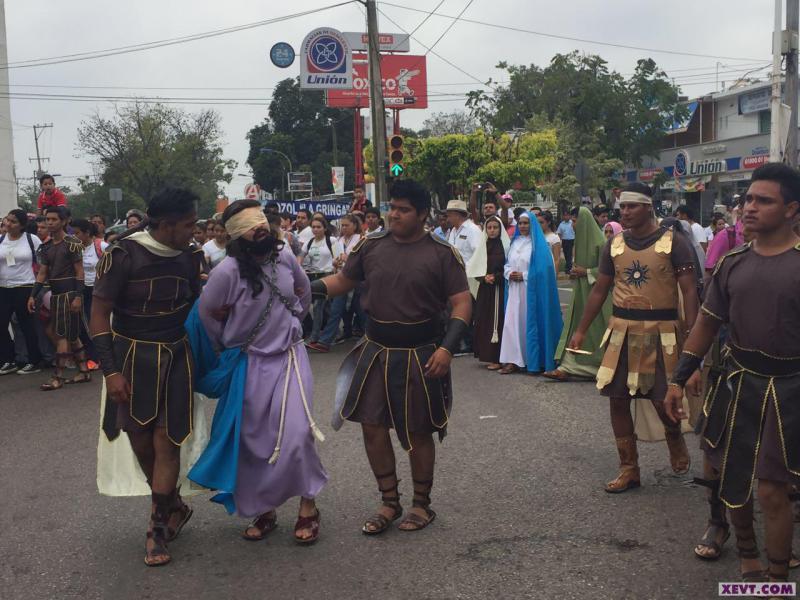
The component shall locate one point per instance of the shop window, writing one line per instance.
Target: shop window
(764, 123)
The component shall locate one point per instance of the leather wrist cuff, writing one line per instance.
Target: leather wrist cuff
(36, 292)
(319, 289)
(456, 328)
(79, 285)
(104, 347)
(687, 364)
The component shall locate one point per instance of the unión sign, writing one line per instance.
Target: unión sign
(325, 60)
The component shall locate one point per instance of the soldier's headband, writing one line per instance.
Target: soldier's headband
(635, 197)
(244, 221)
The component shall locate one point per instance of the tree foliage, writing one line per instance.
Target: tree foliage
(300, 126)
(444, 123)
(624, 117)
(144, 147)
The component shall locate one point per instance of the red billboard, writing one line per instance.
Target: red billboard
(405, 83)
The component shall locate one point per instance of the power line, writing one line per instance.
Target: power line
(53, 60)
(449, 27)
(436, 54)
(573, 39)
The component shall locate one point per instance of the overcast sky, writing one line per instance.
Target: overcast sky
(738, 29)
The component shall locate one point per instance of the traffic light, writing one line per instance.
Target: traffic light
(396, 155)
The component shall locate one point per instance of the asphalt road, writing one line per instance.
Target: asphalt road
(519, 494)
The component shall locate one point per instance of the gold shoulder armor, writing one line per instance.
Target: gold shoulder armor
(442, 242)
(734, 252)
(105, 262)
(664, 243)
(617, 245)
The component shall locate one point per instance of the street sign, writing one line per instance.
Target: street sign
(115, 195)
(387, 42)
(405, 83)
(282, 55)
(582, 174)
(337, 179)
(326, 62)
(300, 181)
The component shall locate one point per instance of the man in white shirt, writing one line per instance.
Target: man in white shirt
(684, 213)
(464, 234)
(302, 224)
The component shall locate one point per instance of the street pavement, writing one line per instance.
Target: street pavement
(518, 491)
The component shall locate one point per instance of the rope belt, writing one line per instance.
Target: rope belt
(291, 364)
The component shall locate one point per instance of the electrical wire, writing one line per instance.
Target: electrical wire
(573, 39)
(449, 27)
(91, 55)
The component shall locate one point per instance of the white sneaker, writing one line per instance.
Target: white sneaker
(7, 368)
(29, 369)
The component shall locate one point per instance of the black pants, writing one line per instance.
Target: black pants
(14, 301)
(567, 246)
(91, 353)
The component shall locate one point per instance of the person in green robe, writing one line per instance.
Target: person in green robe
(589, 243)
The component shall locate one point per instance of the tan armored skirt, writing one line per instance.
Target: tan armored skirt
(638, 357)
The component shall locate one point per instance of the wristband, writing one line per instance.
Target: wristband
(687, 365)
(79, 285)
(456, 328)
(319, 289)
(104, 348)
(37, 290)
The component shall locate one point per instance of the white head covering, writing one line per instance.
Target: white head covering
(476, 267)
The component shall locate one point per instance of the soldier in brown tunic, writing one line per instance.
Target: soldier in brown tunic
(646, 265)
(60, 261)
(149, 280)
(398, 377)
(752, 409)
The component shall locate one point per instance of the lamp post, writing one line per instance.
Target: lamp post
(289, 160)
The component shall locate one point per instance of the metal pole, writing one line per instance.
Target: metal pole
(358, 150)
(377, 107)
(792, 19)
(335, 146)
(8, 179)
(775, 100)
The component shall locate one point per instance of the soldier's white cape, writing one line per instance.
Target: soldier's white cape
(118, 472)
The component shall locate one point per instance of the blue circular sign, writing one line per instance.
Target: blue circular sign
(282, 55)
(681, 163)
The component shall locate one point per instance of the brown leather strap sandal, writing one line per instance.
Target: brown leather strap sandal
(156, 552)
(422, 499)
(718, 528)
(264, 524)
(378, 523)
(508, 369)
(84, 374)
(57, 380)
(778, 568)
(747, 548)
(311, 523)
(184, 513)
(556, 375)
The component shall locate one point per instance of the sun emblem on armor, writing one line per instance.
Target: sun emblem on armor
(636, 274)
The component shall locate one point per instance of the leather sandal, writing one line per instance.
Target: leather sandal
(311, 523)
(56, 383)
(629, 476)
(508, 369)
(678, 452)
(158, 555)
(494, 366)
(184, 510)
(378, 523)
(83, 375)
(716, 524)
(422, 499)
(749, 551)
(556, 375)
(264, 523)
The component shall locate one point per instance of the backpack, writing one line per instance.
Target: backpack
(327, 242)
(33, 251)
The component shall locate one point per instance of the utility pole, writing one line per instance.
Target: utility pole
(775, 99)
(377, 107)
(37, 132)
(334, 143)
(792, 22)
(8, 183)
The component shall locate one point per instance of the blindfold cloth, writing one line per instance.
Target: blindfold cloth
(244, 221)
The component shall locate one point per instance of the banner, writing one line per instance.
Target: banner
(332, 209)
(404, 78)
(337, 178)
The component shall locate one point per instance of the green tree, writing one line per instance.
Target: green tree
(144, 147)
(302, 127)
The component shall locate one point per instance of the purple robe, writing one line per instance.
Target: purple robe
(298, 471)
